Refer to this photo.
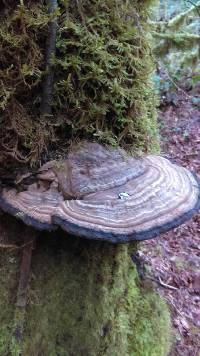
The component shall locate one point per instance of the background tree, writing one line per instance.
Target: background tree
(176, 43)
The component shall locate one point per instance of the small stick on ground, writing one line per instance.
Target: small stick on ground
(8, 246)
(29, 240)
(161, 283)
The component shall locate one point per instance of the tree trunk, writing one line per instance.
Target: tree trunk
(85, 297)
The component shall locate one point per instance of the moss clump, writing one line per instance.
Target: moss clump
(152, 325)
(102, 66)
(84, 300)
(22, 37)
(8, 280)
(101, 86)
(177, 43)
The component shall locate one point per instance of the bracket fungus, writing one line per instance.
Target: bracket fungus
(102, 193)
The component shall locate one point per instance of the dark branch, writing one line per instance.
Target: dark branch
(195, 5)
(50, 53)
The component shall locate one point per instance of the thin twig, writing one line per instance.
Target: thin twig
(161, 283)
(50, 53)
(8, 246)
(166, 285)
(142, 274)
(173, 82)
(195, 5)
(13, 246)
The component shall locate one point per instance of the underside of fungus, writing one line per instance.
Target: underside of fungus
(102, 193)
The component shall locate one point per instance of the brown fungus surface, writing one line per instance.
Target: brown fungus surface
(101, 193)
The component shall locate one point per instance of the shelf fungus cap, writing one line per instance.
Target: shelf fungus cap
(34, 206)
(101, 193)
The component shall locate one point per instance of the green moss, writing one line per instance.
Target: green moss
(85, 299)
(22, 39)
(8, 281)
(180, 39)
(184, 18)
(176, 43)
(102, 90)
(102, 72)
(152, 321)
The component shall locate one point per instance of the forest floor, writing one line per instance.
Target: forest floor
(174, 258)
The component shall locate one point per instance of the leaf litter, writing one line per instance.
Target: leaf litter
(174, 257)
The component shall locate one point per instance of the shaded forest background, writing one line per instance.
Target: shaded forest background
(177, 47)
(175, 256)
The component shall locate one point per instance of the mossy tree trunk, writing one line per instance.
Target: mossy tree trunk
(84, 299)
(84, 296)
